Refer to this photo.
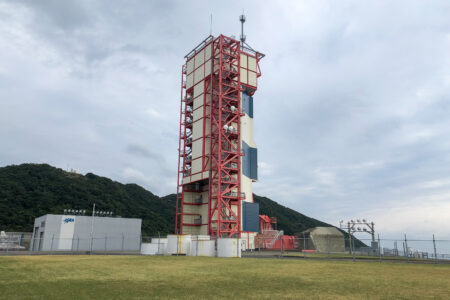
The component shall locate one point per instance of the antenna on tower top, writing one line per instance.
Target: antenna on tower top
(210, 26)
(242, 19)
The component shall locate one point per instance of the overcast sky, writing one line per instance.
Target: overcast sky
(352, 114)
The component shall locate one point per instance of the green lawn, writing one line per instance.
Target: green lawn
(139, 277)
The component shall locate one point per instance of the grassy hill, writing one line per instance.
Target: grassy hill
(31, 190)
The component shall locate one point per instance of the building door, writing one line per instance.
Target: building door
(41, 240)
(35, 239)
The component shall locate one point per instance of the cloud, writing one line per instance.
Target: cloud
(433, 184)
(144, 152)
(264, 168)
(351, 113)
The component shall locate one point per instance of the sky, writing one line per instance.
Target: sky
(352, 112)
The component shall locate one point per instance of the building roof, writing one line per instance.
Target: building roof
(324, 231)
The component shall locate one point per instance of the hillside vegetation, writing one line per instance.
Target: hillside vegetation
(31, 190)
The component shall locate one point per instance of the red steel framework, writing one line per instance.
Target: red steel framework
(223, 112)
(225, 154)
(181, 156)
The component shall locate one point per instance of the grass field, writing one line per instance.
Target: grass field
(138, 277)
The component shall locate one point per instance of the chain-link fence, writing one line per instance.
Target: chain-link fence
(310, 247)
(332, 247)
(13, 244)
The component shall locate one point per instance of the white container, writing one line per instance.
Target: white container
(201, 237)
(202, 248)
(159, 241)
(228, 247)
(148, 249)
(178, 244)
(153, 249)
(162, 249)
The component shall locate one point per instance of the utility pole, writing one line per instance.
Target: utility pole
(435, 253)
(373, 231)
(358, 225)
(406, 247)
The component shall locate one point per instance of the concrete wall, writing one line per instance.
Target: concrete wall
(322, 239)
(324, 243)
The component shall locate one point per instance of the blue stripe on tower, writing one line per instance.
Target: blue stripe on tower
(247, 104)
(250, 161)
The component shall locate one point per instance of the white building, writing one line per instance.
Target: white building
(86, 233)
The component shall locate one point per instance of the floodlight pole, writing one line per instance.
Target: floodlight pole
(351, 229)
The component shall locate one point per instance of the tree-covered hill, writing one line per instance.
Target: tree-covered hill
(31, 190)
(28, 191)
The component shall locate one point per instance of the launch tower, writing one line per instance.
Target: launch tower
(217, 154)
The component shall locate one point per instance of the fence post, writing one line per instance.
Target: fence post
(259, 245)
(379, 247)
(159, 242)
(435, 254)
(238, 245)
(106, 241)
(281, 245)
(51, 246)
(353, 248)
(304, 246)
(78, 243)
(216, 246)
(196, 247)
(123, 240)
(328, 240)
(350, 244)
